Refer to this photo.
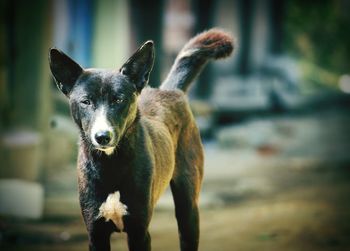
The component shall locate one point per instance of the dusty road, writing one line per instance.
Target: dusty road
(307, 209)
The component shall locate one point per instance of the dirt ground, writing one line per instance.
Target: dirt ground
(308, 209)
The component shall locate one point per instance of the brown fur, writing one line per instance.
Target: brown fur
(174, 135)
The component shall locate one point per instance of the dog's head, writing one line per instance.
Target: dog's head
(103, 103)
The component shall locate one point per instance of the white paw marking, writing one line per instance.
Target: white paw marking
(113, 209)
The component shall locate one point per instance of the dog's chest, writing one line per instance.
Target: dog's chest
(109, 173)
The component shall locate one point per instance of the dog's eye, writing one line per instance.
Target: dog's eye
(86, 102)
(118, 100)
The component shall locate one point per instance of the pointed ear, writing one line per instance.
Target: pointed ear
(139, 66)
(64, 69)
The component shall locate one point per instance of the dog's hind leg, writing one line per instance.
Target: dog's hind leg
(185, 187)
(186, 210)
(99, 236)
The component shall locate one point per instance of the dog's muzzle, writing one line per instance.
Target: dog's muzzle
(102, 135)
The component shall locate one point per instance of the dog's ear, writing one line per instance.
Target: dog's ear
(139, 65)
(64, 69)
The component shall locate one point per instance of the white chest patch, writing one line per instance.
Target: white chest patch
(113, 209)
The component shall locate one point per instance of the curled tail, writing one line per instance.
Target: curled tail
(211, 44)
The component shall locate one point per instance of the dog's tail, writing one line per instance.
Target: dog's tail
(211, 44)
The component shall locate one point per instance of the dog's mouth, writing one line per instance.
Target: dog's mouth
(106, 149)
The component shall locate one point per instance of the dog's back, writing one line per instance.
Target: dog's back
(168, 104)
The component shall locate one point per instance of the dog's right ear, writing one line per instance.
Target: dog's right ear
(64, 70)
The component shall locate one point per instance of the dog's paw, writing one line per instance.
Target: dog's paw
(113, 209)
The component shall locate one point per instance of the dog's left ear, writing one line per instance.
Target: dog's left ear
(64, 69)
(139, 65)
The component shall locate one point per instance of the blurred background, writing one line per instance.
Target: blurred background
(274, 119)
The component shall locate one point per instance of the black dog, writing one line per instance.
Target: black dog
(135, 140)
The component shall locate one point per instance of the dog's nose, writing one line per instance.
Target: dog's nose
(103, 137)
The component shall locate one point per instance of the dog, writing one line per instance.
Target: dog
(136, 140)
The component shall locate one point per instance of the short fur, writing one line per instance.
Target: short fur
(153, 140)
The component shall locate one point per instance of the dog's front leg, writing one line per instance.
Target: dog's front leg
(98, 229)
(136, 224)
(99, 237)
(139, 240)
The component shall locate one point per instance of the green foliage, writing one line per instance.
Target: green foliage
(318, 32)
